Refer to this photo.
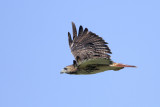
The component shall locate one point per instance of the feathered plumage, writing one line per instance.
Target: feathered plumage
(91, 53)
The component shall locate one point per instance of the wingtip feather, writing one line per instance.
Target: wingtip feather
(74, 30)
(69, 39)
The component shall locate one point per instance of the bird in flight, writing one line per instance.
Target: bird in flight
(91, 54)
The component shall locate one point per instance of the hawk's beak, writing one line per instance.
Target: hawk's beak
(62, 71)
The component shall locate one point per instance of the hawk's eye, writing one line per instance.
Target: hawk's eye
(65, 68)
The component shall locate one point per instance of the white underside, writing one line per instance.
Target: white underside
(104, 65)
(100, 69)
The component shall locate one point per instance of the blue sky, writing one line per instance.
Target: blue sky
(34, 48)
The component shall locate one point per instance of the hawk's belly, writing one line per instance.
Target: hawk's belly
(93, 69)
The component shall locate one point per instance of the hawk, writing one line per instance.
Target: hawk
(91, 53)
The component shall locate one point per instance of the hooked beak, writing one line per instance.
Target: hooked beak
(63, 71)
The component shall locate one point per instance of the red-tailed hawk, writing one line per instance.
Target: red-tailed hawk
(90, 52)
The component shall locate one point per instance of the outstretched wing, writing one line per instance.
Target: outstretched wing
(87, 45)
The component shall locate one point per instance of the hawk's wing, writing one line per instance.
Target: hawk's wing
(87, 45)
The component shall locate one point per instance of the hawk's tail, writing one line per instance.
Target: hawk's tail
(121, 65)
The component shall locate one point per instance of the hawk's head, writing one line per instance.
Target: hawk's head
(71, 69)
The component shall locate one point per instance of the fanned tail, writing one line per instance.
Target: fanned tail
(121, 65)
